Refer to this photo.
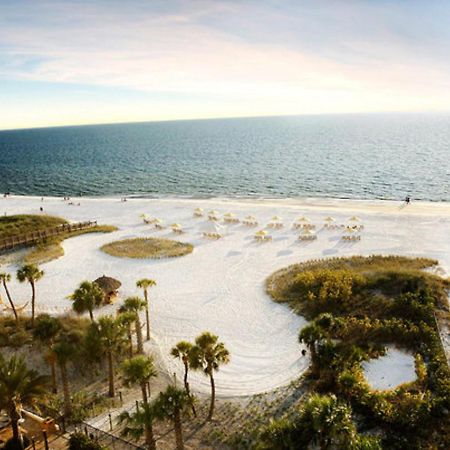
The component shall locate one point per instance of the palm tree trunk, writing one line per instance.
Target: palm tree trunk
(15, 416)
(149, 437)
(213, 395)
(111, 392)
(54, 383)
(144, 393)
(140, 342)
(33, 298)
(13, 307)
(178, 430)
(66, 390)
(147, 315)
(186, 385)
(130, 340)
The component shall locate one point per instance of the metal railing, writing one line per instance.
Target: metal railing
(108, 439)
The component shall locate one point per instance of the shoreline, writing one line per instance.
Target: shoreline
(318, 204)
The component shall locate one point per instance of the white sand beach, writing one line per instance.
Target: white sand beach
(220, 286)
(387, 372)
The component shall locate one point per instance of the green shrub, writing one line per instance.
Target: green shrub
(79, 441)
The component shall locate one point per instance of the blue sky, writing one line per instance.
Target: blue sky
(74, 62)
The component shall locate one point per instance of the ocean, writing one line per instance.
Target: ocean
(358, 156)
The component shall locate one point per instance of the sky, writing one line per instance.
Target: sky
(104, 61)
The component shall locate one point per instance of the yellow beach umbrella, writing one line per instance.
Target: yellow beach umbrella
(199, 210)
(213, 212)
(354, 219)
(307, 231)
(250, 218)
(157, 221)
(261, 233)
(302, 219)
(329, 219)
(276, 219)
(175, 225)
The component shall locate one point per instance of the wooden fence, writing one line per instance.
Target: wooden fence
(36, 236)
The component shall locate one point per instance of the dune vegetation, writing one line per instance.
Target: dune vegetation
(147, 248)
(50, 248)
(27, 223)
(359, 305)
(46, 249)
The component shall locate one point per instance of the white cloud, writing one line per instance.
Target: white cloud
(216, 52)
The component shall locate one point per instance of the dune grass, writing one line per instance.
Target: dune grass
(50, 249)
(26, 223)
(141, 248)
(362, 278)
(358, 306)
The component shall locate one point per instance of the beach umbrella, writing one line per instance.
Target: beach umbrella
(354, 219)
(261, 233)
(302, 219)
(199, 210)
(213, 212)
(329, 219)
(306, 231)
(230, 214)
(212, 227)
(144, 216)
(276, 219)
(250, 218)
(175, 225)
(157, 221)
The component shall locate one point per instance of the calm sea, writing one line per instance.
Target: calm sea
(368, 156)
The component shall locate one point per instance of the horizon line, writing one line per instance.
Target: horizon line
(268, 116)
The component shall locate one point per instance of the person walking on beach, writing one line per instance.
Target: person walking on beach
(407, 199)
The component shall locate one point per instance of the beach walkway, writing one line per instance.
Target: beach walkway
(32, 238)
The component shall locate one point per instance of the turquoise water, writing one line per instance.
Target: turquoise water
(382, 156)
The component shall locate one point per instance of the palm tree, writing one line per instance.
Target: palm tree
(127, 318)
(65, 350)
(328, 422)
(145, 283)
(19, 386)
(140, 423)
(311, 335)
(135, 305)
(6, 278)
(140, 370)
(87, 297)
(182, 351)
(172, 404)
(109, 334)
(46, 330)
(207, 355)
(32, 274)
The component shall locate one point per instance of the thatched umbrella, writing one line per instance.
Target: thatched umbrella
(108, 285)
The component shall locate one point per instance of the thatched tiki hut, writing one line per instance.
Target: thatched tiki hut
(109, 286)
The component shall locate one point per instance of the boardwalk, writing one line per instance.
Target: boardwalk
(36, 236)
